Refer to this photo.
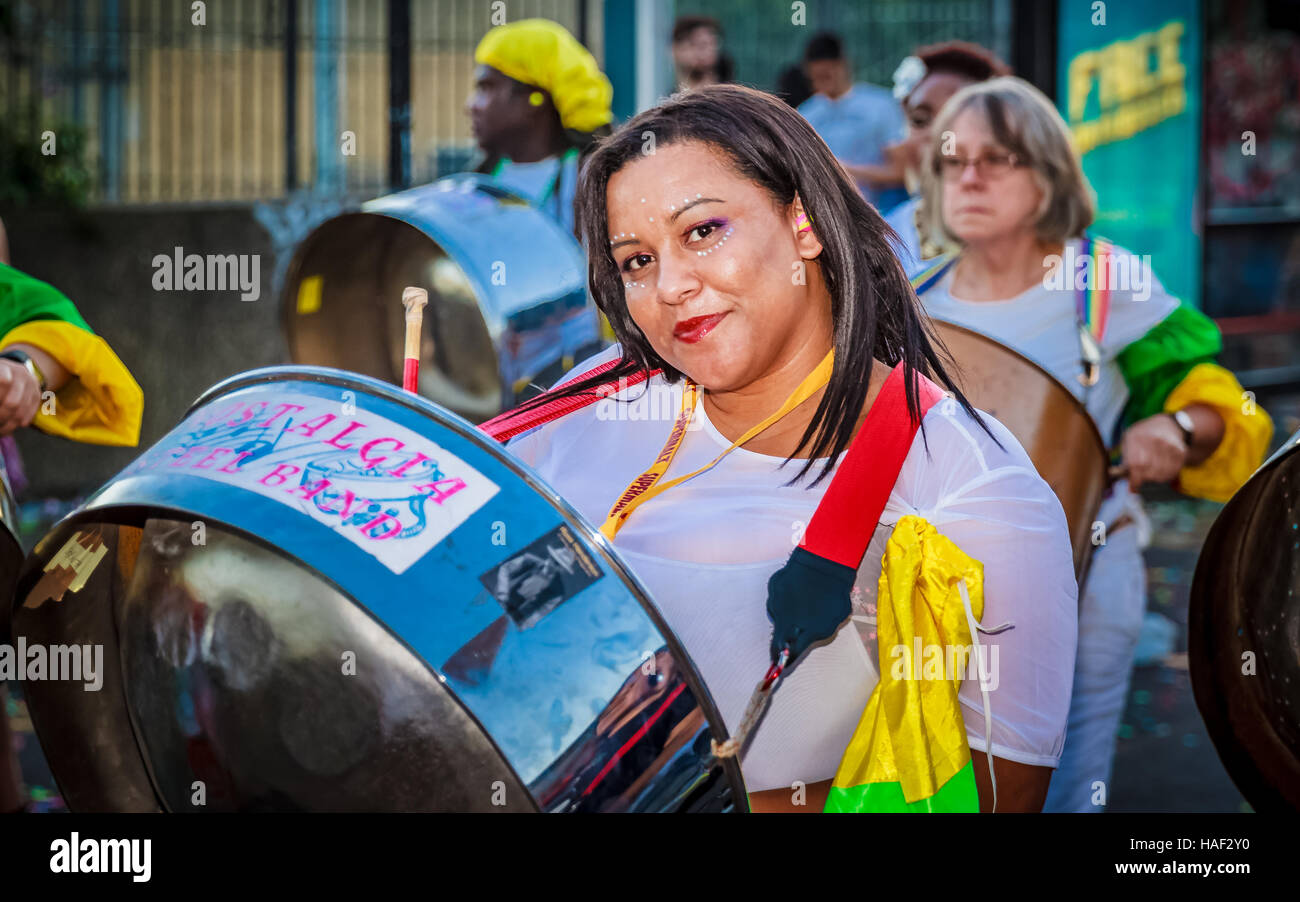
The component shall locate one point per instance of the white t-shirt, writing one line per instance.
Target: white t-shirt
(706, 548)
(1040, 323)
(550, 184)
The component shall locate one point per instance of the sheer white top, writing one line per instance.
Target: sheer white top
(705, 550)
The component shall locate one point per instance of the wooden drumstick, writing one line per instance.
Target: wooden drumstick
(413, 299)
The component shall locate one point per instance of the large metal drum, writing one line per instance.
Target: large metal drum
(1243, 642)
(508, 305)
(320, 593)
(1053, 426)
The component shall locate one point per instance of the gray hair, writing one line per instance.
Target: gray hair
(1023, 121)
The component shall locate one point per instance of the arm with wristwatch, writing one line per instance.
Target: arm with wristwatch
(47, 346)
(1158, 448)
(1189, 420)
(26, 373)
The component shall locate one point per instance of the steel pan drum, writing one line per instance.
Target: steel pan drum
(320, 593)
(1053, 426)
(1243, 643)
(507, 294)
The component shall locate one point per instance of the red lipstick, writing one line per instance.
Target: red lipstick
(693, 329)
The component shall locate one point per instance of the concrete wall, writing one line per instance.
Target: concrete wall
(176, 343)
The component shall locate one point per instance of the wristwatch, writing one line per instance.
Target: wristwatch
(27, 363)
(1185, 423)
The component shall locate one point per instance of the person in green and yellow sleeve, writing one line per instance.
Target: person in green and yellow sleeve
(1003, 183)
(58, 376)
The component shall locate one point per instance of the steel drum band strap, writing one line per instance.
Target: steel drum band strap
(845, 520)
(926, 279)
(514, 422)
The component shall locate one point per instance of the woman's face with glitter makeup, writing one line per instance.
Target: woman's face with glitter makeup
(709, 264)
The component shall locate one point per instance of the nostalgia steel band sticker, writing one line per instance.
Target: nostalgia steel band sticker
(390, 491)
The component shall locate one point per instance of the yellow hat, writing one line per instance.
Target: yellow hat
(542, 53)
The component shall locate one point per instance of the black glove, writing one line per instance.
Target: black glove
(807, 600)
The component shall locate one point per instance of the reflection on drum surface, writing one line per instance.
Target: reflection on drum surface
(255, 678)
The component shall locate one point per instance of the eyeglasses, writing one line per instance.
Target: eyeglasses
(988, 165)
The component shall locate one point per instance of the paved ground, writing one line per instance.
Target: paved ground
(1164, 759)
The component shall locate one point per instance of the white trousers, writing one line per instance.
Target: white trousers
(1110, 620)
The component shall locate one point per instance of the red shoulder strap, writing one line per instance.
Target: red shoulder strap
(513, 422)
(844, 522)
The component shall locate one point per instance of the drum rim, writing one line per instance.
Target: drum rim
(348, 380)
(1254, 782)
(1078, 405)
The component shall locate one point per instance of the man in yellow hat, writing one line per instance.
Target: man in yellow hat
(539, 101)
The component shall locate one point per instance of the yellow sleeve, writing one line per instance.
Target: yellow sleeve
(1248, 429)
(102, 404)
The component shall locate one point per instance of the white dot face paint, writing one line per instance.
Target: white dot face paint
(718, 246)
(708, 244)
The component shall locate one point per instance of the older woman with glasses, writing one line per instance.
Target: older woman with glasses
(1003, 183)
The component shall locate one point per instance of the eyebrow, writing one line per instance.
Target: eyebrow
(673, 218)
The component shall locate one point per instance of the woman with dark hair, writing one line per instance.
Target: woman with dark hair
(539, 104)
(756, 302)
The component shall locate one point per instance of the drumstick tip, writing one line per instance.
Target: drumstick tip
(414, 299)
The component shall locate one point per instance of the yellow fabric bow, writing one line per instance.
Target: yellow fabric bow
(912, 731)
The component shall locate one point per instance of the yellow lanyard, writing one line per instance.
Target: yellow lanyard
(646, 486)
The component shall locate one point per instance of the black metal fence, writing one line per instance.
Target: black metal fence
(172, 101)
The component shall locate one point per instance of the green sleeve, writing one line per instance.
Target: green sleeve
(23, 299)
(1155, 363)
